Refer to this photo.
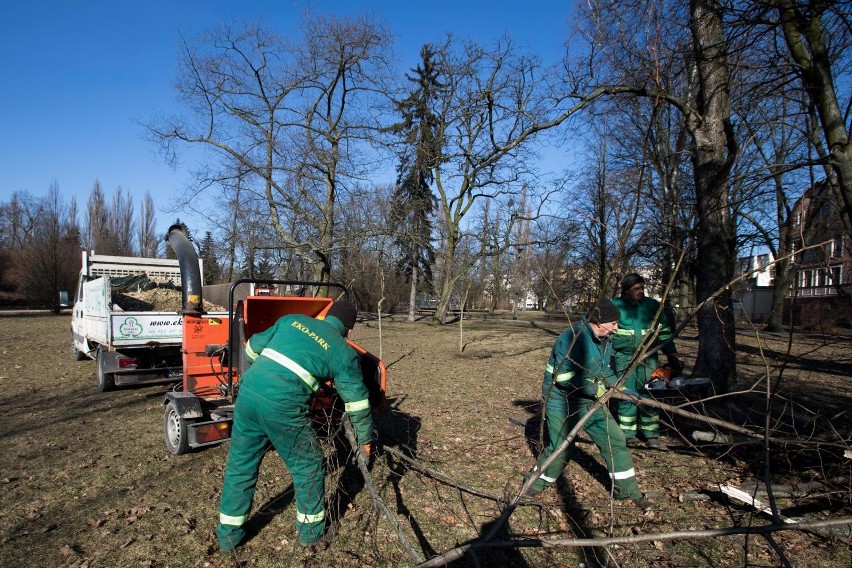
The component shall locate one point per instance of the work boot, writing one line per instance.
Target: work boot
(645, 505)
(538, 485)
(656, 444)
(535, 491)
(322, 542)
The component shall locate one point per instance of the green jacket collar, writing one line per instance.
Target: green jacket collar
(586, 327)
(336, 324)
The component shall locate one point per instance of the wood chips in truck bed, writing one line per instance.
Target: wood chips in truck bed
(155, 300)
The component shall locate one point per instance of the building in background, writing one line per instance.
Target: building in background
(752, 296)
(822, 284)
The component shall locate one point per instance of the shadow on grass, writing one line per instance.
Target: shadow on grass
(399, 430)
(339, 465)
(537, 437)
(496, 557)
(396, 429)
(269, 510)
(812, 362)
(819, 430)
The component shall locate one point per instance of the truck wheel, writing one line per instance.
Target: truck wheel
(175, 431)
(106, 381)
(78, 355)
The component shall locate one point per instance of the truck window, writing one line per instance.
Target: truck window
(79, 295)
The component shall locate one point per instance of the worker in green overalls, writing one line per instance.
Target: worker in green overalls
(639, 317)
(288, 362)
(577, 374)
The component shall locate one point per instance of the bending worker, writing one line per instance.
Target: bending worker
(577, 374)
(640, 316)
(289, 361)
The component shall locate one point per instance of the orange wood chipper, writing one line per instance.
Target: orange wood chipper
(199, 412)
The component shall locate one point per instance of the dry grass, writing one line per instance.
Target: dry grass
(86, 479)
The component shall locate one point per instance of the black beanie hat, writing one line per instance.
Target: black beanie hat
(603, 312)
(345, 311)
(630, 281)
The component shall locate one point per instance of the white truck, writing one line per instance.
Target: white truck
(129, 347)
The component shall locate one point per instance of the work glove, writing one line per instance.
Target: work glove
(675, 363)
(368, 453)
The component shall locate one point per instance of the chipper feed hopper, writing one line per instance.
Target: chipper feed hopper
(199, 412)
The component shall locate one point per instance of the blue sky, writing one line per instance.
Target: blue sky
(77, 77)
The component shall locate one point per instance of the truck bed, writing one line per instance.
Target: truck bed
(128, 329)
(109, 325)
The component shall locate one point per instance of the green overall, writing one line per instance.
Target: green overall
(575, 376)
(636, 321)
(273, 406)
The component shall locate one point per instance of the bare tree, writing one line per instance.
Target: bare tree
(494, 264)
(146, 228)
(774, 134)
(18, 219)
(554, 243)
(490, 106)
(294, 118)
(635, 64)
(652, 146)
(75, 235)
(520, 267)
(714, 152)
(817, 34)
(120, 223)
(110, 226)
(98, 237)
(368, 255)
(607, 207)
(50, 260)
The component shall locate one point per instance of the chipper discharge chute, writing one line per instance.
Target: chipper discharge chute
(200, 413)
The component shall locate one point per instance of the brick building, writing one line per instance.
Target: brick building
(822, 288)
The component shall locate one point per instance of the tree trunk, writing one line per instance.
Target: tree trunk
(805, 37)
(780, 287)
(448, 280)
(712, 158)
(412, 297)
(446, 295)
(783, 279)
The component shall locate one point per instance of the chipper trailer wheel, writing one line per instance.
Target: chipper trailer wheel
(175, 430)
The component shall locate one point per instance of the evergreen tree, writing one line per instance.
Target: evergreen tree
(207, 254)
(413, 201)
(265, 267)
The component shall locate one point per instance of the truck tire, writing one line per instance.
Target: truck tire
(175, 431)
(106, 381)
(78, 355)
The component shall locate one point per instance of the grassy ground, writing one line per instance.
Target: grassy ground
(86, 481)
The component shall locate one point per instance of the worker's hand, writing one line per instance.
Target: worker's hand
(368, 451)
(675, 363)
